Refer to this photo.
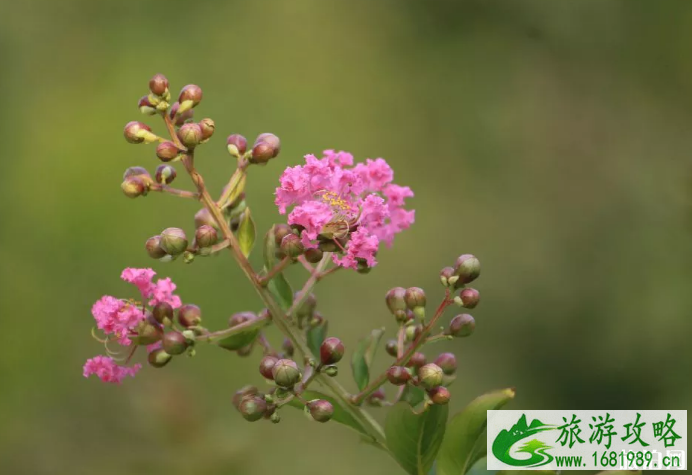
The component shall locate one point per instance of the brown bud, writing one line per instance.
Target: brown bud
(242, 393)
(448, 363)
(266, 366)
(417, 360)
(376, 398)
(313, 256)
(439, 395)
(165, 174)
(153, 247)
(179, 117)
(207, 126)
(174, 343)
(137, 132)
(398, 375)
(320, 410)
(292, 246)
(167, 151)
(414, 298)
(145, 106)
(134, 186)
(241, 317)
(236, 144)
(462, 325)
(392, 348)
(470, 297)
(271, 140)
(163, 313)
(261, 153)
(331, 351)
(158, 84)
(189, 97)
(395, 302)
(206, 236)
(190, 134)
(252, 408)
(189, 315)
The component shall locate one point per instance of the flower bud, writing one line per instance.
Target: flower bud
(174, 343)
(245, 350)
(240, 317)
(398, 375)
(137, 132)
(261, 153)
(417, 360)
(313, 256)
(292, 246)
(167, 151)
(134, 186)
(396, 302)
(445, 274)
(190, 134)
(207, 126)
(287, 346)
(275, 418)
(242, 393)
(163, 313)
(470, 297)
(165, 174)
(204, 217)
(439, 395)
(281, 230)
(448, 363)
(462, 325)
(148, 332)
(331, 351)
(252, 408)
(330, 371)
(468, 268)
(145, 106)
(206, 236)
(266, 366)
(139, 172)
(173, 241)
(413, 332)
(189, 97)
(153, 247)
(179, 117)
(376, 398)
(158, 358)
(414, 298)
(392, 347)
(307, 307)
(158, 84)
(236, 145)
(271, 140)
(320, 410)
(430, 376)
(286, 373)
(189, 315)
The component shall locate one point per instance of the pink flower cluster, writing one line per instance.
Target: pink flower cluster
(120, 318)
(334, 199)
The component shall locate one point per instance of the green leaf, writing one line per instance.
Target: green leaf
(465, 442)
(340, 414)
(363, 356)
(282, 291)
(413, 395)
(239, 340)
(270, 248)
(246, 233)
(316, 336)
(414, 439)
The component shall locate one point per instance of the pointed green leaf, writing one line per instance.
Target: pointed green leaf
(239, 340)
(246, 233)
(315, 337)
(340, 414)
(270, 248)
(413, 395)
(282, 291)
(465, 442)
(414, 439)
(363, 356)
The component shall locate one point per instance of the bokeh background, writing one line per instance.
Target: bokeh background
(551, 139)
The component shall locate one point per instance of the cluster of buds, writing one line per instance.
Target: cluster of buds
(174, 340)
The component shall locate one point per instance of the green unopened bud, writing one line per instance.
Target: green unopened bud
(430, 375)
(242, 393)
(266, 366)
(448, 363)
(206, 236)
(275, 418)
(392, 347)
(134, 186)
(174, 343)
(413, 332)
(145, 106)
(445, 274)
(189, 315)
(158, 85)
(320, 410)
(468, 268)
(167, 151)
(314, 256)
(439, 395)
(179, 117)
(163, 313)
(252, 408)
(396, 302)
(159, 358)
(173, 241)
(417, 360)
(462, 325)
(165, 174)
(398, 375)
(470, 297)
(138, 132)
(292, 246)
(236, 145)
(190, 135)
(331, 351)
(330, 371)
(153, 247)
(189, 97)
(287, 346)
(207, 125)
(286, 373)
(147, 333)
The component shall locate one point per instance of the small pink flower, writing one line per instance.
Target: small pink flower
(313, 216)
(163, 292)
(108, 370)
(115, 317)
(141, 278)
(362, 246)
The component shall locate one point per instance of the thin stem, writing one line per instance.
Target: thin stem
(277, 269)
(174, 191)
(304, 293)
(258, 322)
(220, 246)
(306, 264)
(415, 346)
(400, 341)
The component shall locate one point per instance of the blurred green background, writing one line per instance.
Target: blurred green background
(551, 139)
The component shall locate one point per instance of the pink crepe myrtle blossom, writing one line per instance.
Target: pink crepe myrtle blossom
(161, 291)
(108, 370)
(332, 200)
(117, 317)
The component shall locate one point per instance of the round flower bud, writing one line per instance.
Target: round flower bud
(189, 97)
(189, 315)
(292, 246)
(470, 297)
(252, 408)
(134, 186)
(417, 360)
(207, 126)
(145, 106)
(392, 347)
(287, 346)
(206, 236)
(331, 351)
(173, 241)
(275, 418)
(414, 298)
(167, 151)
(468, 268)
(313, 256)
(430, 376)
(165, 174)
(203, 217)
(139, 172)
(330, 371)
(148, 333)
(266, 366)
(236, 145)
(280, 231)
(242, 393)
(137, 132)
(163, 313)
(439, 395)
(448, 363)
(376, 398)
(240, 317)
(153, 247)
(307, 307)
(179, 117)
(190, 134)
(396, 303)
(413, 332)
(462, 325)
(261, 153)
(321, 410)
(398, 375)
(271, 140)
(286, 373)
(174, 343)
(158, 84)
(158, 358)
